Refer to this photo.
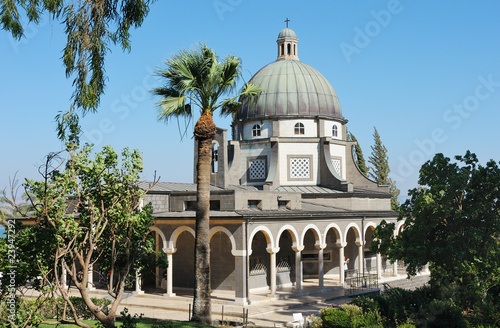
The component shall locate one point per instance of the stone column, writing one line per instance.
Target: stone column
(341, 261)
(272, 252)
(240, 277)
(298, 266)
(170, 276)
(63, 278)
(395, 268)
(321, 271)
(361, 259)
(157, 269)
(138, 282)
(379, 266)
(90, 279)
(395, 264)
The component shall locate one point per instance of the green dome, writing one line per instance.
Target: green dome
(287, 33)
(291, 88)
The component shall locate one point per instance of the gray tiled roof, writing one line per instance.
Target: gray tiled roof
(190, 187)
(172, 186)
(310, 207)
(192, 214)
(308, 189)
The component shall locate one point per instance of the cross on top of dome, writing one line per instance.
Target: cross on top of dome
(287, 43)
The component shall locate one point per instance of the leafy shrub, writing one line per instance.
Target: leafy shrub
(445, 314)
(369, 319)
(406, 325)
(367, 303)
(18, 312)
(352, 310)
(129, 321)
(313, 321)
(81, 308)
(335, 318)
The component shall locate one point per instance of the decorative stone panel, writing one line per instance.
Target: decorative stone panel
(300, 167)
(337, 165)
(257, 169)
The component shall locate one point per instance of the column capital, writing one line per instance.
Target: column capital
(320, 246)
(341, 245)
(272, 250)
(239, 252)
(360, 243)
(298, 248)
(169, 250)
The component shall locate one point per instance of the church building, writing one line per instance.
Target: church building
(288, 201)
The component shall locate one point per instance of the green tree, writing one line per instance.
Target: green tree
(198, 77)
(91, 26)
(360, 159)
(88, 217)
(380, 168)
(452, 222)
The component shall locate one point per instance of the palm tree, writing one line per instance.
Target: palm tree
(198, 77)
(9, 208)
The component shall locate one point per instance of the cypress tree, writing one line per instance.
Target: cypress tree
(380, 168)
(360, 160)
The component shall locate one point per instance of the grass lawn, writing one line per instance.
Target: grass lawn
(142, 323)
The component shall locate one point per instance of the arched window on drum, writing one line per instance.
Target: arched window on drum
(299, 128)
(335, 131)
(256, 129)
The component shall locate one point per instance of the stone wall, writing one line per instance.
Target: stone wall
(160, 203)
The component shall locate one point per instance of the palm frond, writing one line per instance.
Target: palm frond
(171, 107)
(231, 70)
(200, 76)
(229, 107)
(249, 94)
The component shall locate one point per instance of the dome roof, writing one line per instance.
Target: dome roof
(291, 88)
(287, 33)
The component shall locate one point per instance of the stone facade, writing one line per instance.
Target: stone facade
(287, 199)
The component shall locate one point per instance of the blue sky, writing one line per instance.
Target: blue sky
(426, 74)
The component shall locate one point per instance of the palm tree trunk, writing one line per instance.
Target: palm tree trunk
(204, 132)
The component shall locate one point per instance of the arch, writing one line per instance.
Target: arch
(356, 230)
(315, 231)
(370, 224)
(337, 231)
(293, 232)
(267, 234)
(288, 49)
(162, 235)
(215, 156)
(177, 232)
(400, 226)
(227, 232)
